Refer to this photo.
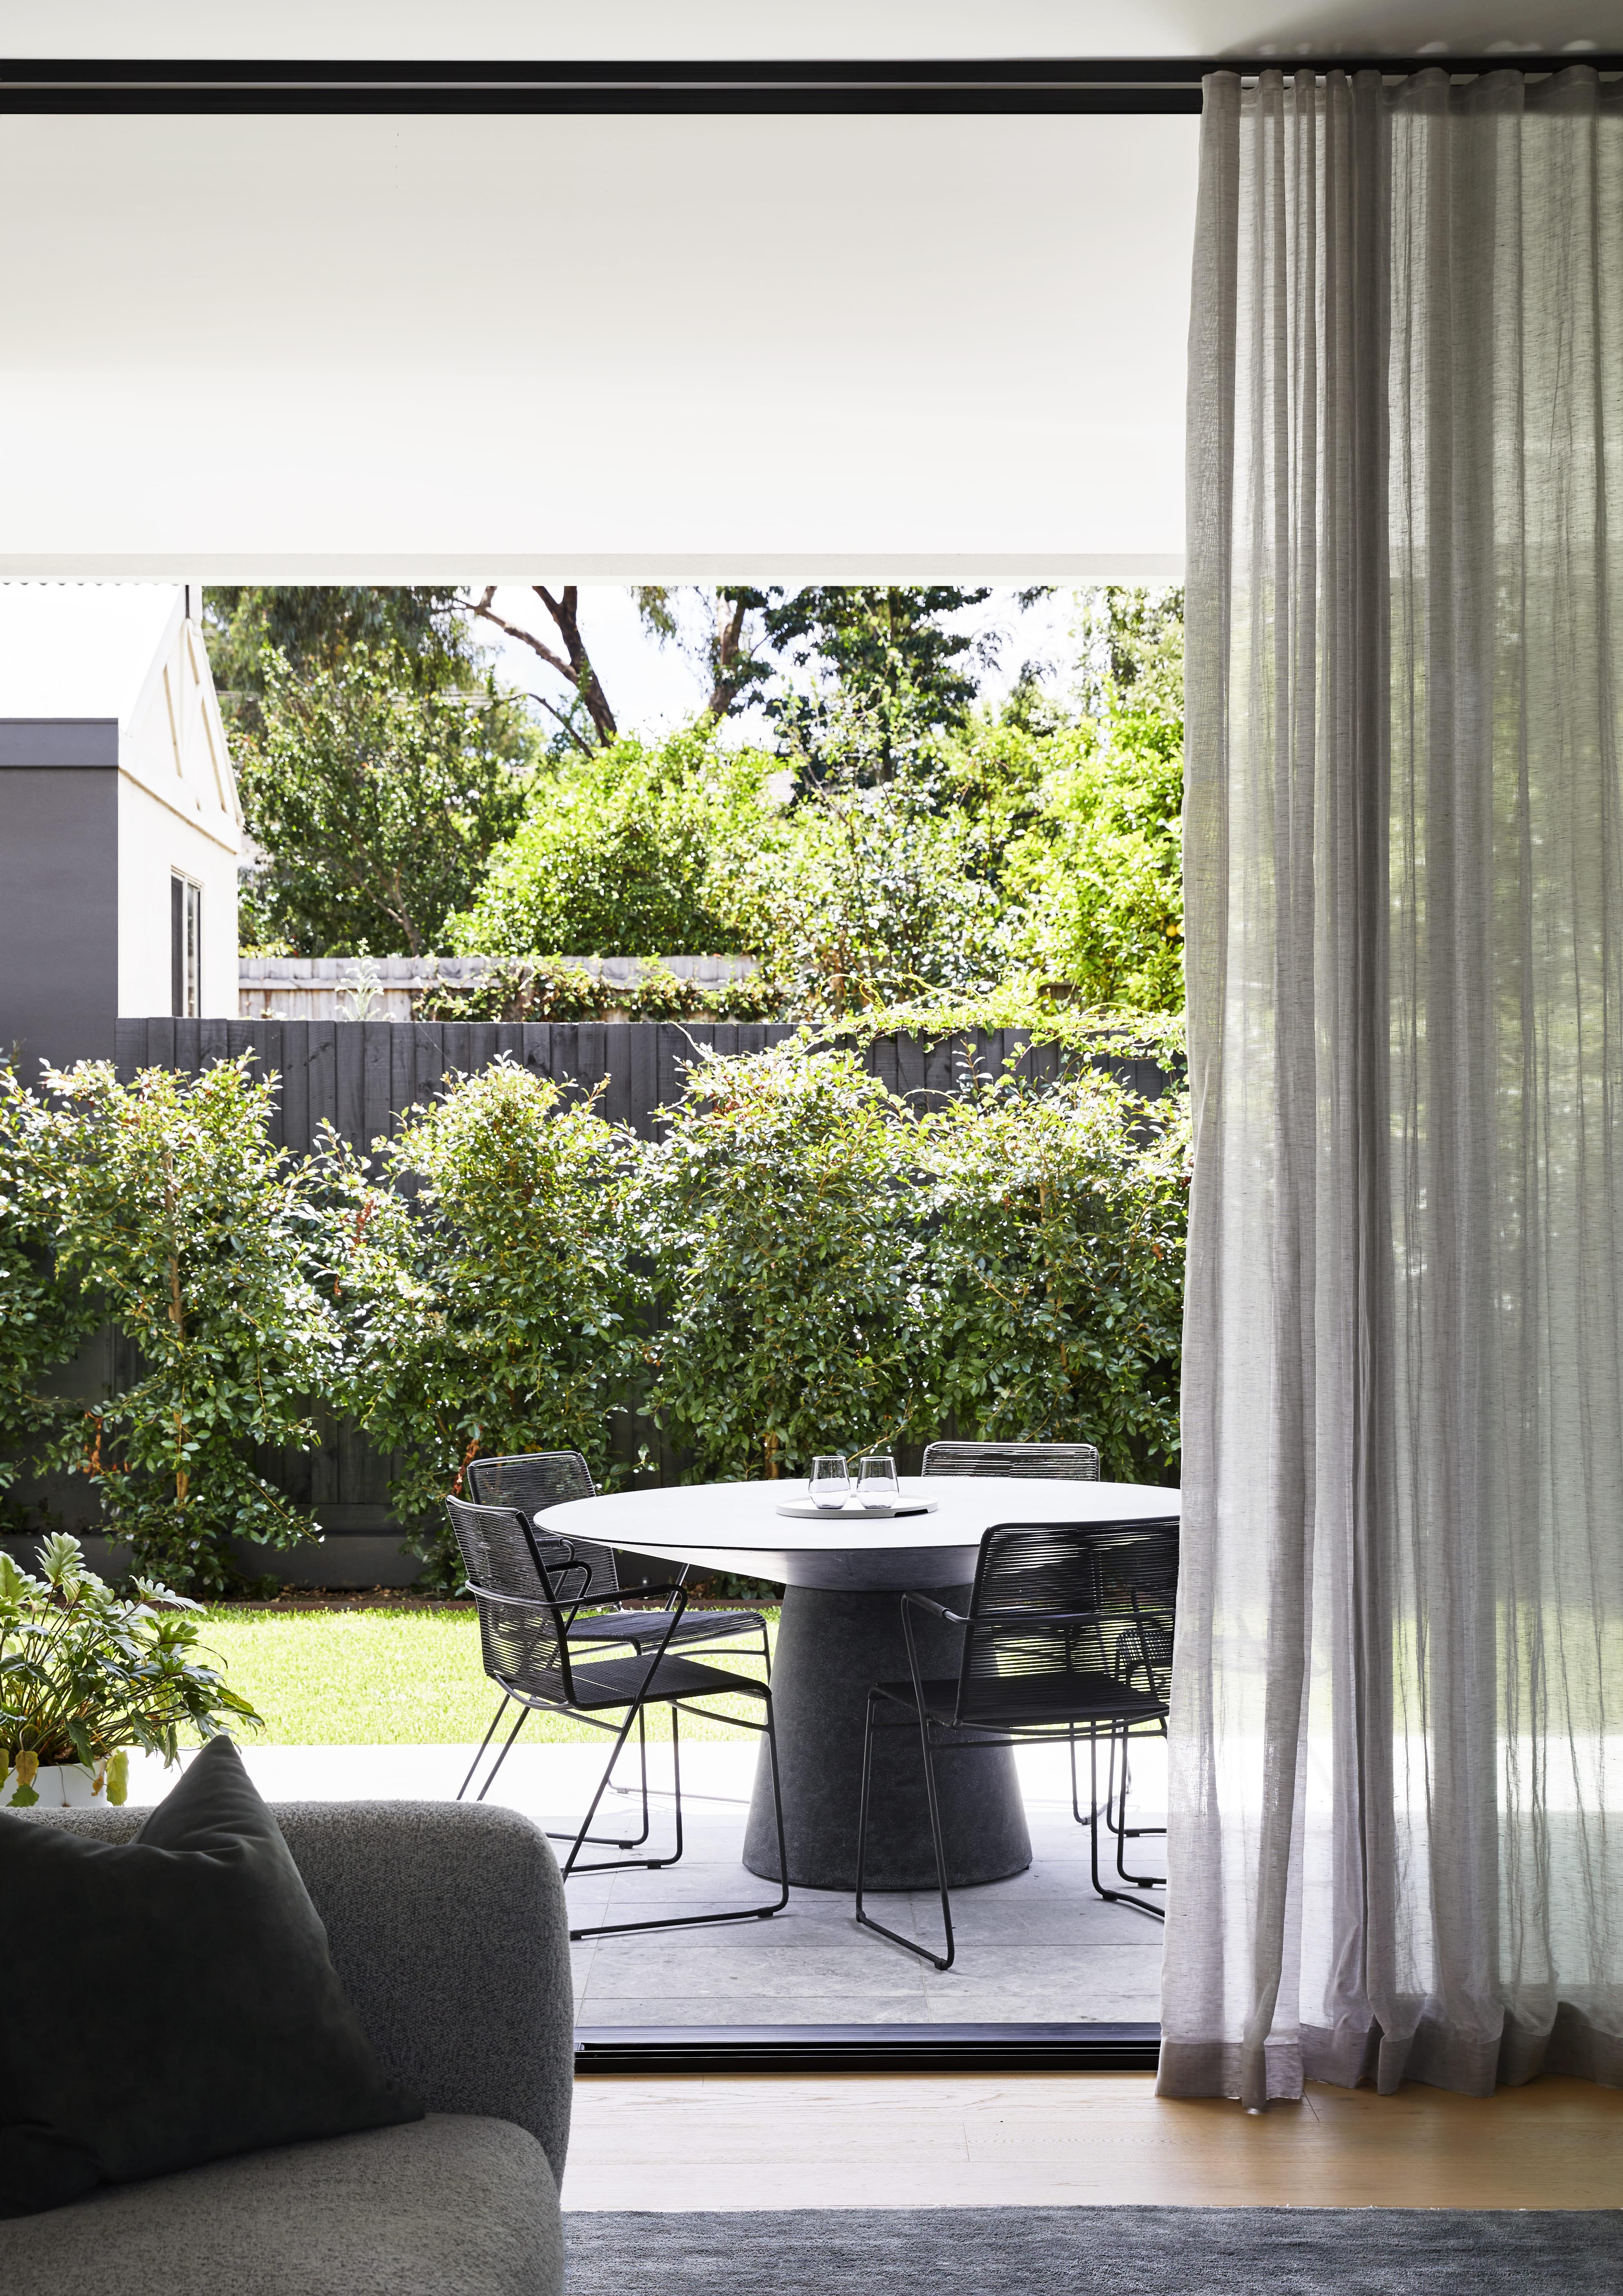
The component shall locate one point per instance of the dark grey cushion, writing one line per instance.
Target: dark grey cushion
(446, 1922)
(458, 2206)
(219, 2026)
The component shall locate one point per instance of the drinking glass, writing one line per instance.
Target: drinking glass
(876, 1483)
(830, 1480)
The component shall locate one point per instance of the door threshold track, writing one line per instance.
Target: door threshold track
(670, 2049)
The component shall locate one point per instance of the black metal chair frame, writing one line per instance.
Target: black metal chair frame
(1146, 1715)
(1114, 1809)
(559, 1610)
(692, 1635)
(1026, 1462)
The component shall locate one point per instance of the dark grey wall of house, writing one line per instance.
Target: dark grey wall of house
(59, 890)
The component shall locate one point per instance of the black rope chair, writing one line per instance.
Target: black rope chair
(1055, 1463)
(1061, 1640)
(526, 1610)
(531, 1481)
(1048, 1463)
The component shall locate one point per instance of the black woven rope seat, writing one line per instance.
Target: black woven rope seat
(1068, 1635)
(529, 1602)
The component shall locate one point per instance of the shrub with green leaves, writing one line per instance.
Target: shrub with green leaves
(882, 903)
(1057, 1245)
(1100, 875)
(170, 1208)
(44, 1319)
(487, 1282)
(803, 1263)
(837, 1273)
(791, 1268)
(87, 1673)
(635, 849)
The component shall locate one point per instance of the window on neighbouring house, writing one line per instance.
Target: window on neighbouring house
(185, 947)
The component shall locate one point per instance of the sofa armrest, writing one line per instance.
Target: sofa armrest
(446, 1924)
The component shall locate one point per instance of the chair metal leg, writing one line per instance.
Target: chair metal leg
(777, 1803)
(609, 1841)
(506, 1749)
(598, 1840)
(1075, 1802)
(1115, 1896)
(484, 1742)
(633, 1714)
(675, 1783)
(1124, 1832)
(1119, 1826)
(729, 1801)
(696, 1921)
(866, 1919)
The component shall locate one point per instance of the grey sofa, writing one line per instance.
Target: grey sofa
(446, 1924)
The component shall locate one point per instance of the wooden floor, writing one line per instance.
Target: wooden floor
(927, 2141)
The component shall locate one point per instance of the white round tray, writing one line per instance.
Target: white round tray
(803, 1511)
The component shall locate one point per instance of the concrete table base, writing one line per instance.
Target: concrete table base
(832, 1647)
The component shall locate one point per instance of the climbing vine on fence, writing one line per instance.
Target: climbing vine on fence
(169, 1212)
(803, 1262)
(494, 1308)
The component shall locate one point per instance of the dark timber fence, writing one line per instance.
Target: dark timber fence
(361, 1075)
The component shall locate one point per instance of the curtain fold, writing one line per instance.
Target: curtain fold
(1396, 1843)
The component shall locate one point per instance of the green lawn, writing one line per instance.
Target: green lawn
(386, 1678)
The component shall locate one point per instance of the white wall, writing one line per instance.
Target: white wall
(177, 811)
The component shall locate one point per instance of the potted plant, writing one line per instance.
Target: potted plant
(85, 1673)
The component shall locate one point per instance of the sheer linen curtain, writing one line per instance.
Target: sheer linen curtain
(1397, 1810)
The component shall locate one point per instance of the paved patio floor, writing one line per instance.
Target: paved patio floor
(1038, 1948)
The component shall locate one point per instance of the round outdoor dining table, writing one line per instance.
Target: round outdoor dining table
(840, 1633)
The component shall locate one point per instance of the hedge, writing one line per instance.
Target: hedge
(801, 1263)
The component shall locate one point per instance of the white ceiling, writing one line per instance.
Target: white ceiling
(608, 348)
(774, 28)
(404, 348)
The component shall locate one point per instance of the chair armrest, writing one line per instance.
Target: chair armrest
(1040, 1619)
(924, 1603)
(526, 1601)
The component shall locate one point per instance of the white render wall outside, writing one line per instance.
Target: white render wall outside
(119, 671)
(177, 811)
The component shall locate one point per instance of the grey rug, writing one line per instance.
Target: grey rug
(1087, 2252)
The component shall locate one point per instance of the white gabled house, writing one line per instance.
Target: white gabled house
(120, 824)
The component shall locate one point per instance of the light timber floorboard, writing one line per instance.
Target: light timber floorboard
(925, 2140)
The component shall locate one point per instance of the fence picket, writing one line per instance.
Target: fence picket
(363, 1075)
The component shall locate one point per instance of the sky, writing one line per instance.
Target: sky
(653, 687)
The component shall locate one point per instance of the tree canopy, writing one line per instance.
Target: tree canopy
(424, 631)
(376, 803)
(887, 837)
